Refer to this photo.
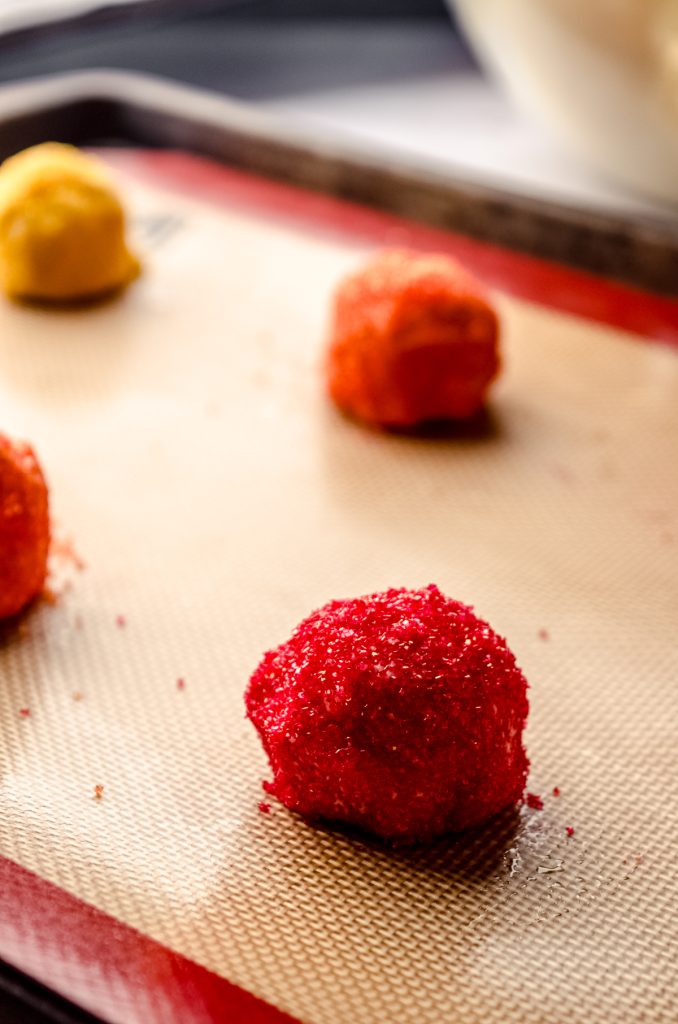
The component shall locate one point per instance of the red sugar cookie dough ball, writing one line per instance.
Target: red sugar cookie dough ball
(413, 338)
(24, 526)
(401, 713)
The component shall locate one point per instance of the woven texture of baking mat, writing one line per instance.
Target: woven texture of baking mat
(217, 499)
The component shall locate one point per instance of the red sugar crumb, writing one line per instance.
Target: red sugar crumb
(25, 712)
(563, 473)
(556, 791)
(181, 684)
(569, 830)
(534, 801)
(120, 621)
(413, 338)
(392, 712)
(51, 595)
(24, 527)
(658, 515)
(543, 634)
(264, 807)
(77, 695)
(63, 548)
(98, 792)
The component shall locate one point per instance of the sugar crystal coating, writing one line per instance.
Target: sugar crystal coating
(401, 712)
(24, 526)
(413, 338)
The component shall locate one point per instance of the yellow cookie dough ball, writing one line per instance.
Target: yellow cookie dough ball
(62, 227)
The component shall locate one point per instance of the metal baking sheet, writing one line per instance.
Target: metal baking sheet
(215, 499)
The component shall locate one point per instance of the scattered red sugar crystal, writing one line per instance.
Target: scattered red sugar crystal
(543, 634)
(120, 621)
(556, 791)
(98, 792)
(413, 338)
(534, 801)
(569, 830)
(401, 713)
(25, 712)
(563, 473)
(181, 684)
(63, 548)
(264, 807)
(24, 526)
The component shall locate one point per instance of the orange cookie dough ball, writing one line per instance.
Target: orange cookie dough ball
(62, 227)
(24, 526)
(413, 338)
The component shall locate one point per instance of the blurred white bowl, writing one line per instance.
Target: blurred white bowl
(603, 74)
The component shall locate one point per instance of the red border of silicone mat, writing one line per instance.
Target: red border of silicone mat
(96, 961)
(527, 277)
(106, 966)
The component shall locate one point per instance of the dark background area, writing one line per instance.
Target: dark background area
(248, 48)
(344, 8)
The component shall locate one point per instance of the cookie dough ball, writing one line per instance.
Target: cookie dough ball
(62, 228)
(24, 526)
(413, 338)
(401, 713)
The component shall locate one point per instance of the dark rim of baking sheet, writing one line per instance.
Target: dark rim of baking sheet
(647, 316)
(23, 1000)
(87, 108)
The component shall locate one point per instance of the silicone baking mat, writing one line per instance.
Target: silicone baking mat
(215, 498)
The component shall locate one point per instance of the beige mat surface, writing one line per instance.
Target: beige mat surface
(216, 499)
